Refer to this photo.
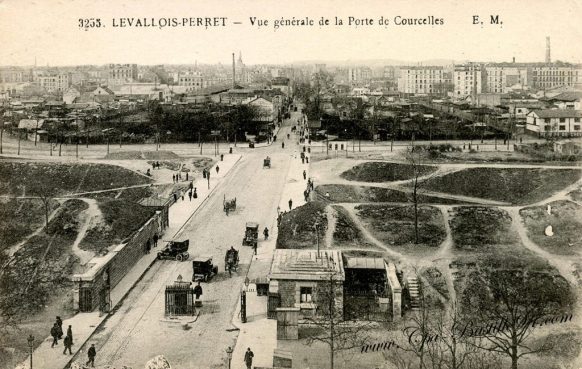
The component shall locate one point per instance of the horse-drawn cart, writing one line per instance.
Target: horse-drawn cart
(229, 205)
(231, 260)
(267, 162)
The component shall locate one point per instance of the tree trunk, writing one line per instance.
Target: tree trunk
(415, 199)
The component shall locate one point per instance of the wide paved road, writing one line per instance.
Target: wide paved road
(138, 331)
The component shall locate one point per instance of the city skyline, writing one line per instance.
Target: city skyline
(49, 32)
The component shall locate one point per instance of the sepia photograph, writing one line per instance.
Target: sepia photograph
(258, 184)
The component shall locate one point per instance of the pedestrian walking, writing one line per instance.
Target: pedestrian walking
(91, 354)
(190, 195)
(192, 185)
(156, 238)
(195, 194)
(182, 194)
(68, 342)
(302, 159)
(282, 145)
(154, 165)
(186, 175)
(55, 334)
(204, 173)
(173, 178)
(306, 195)
(147, 247)
(266, 233)
(304, 174)
(249, 358)
(290, 204)
(307, 159)
(70, 333)
(59, 321)
(198, 291)
(217, 169)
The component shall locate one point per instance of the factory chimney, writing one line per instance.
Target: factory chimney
(233, 72)
(548, 56)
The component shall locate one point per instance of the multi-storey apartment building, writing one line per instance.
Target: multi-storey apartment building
(468, 80)
(424, 80)
(359, 75)
(552, 75)
(55, 82)
(118, 74)
(191, 80)
(500, 78)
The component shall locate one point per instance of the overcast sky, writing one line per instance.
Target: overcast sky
(48, 30)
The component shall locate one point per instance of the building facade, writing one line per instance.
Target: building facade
(550, 76)
(467, 80)
(118, 74)
(555, 122)
(424, 80)
(54, 83)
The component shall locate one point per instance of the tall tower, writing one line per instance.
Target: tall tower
(548, 55)
(233, 72)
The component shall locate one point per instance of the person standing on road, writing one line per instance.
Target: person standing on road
(190, 195)
(304, 175)
(55, 334)
(198, 291)
(91, 354)
(282, 145)
(266, 233)
(70, 333)
(290, 204)
(195, 194)
(68, 342)
(156, 238)
(217, 169)
(60, 324)
(249, 358)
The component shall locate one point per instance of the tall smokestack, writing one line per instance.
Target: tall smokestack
(233, 72)
(548, 55)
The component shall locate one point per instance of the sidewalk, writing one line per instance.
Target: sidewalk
(84, 324)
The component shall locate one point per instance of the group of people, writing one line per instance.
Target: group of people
(156, 165)
(57, 334)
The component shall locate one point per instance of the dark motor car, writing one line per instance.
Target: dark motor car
(175, 250)
(203, 269)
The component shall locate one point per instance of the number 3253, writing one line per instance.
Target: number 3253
(90, 23)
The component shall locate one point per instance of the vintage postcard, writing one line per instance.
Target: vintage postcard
(311, 185)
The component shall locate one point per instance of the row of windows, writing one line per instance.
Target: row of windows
(561, 128)
(562, 120)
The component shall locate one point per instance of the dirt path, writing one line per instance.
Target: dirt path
(444, 256)
(14, 249)
(90, 217)
(370, 237)
(331, 223)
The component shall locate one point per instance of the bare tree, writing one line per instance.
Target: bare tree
(507, 304)
(338, 334)
(415, 158)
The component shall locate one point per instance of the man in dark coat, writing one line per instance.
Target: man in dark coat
(55, 334)
(249, 358)
(70, 333)
(91, 354)
(290, 204)
(68, 342)
(156, 238)
(60, 324)
(304, 175)
(198, 291)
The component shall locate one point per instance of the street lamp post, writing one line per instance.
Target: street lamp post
(30, 340)
(229, 351)
(317, 236)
